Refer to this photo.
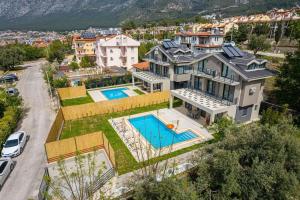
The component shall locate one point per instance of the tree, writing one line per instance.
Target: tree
(258, 43)
(253, 162)
(60, 82)
(76, 182)
(11, 56)
(170, 188)
(144, 48)
(238, 35)
(262, 29)
(128, 25)
(288, 81)
(56, 51)
(86, 62)
(73, 65)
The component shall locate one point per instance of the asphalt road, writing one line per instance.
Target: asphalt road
(25, 179)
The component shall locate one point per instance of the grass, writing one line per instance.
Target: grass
(139, 92)
(125, 160)
(77, 101)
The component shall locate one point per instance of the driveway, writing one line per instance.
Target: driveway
(25, 179)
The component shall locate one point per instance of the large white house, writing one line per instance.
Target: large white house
(116, 50)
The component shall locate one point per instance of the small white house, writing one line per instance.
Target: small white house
(117, 50)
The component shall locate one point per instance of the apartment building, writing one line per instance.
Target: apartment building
(211, 85)
(116, 50)
(84, 45)
(207, 41)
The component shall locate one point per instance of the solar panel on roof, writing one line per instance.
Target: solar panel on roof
(225, 49)
(239, 51)
(231, 49)
(166, 45)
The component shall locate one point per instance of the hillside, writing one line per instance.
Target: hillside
(72, 14)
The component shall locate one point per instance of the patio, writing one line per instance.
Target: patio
(201, 106)
(151, 82)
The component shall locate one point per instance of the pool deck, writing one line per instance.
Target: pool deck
(97, 95)
(142, 150)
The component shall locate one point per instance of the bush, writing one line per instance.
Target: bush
(103, 82)
(11, 115)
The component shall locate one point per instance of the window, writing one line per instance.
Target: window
(202, 65)
(183, 69)
(152, 65)
(132, 49)
(228, 93)
(21, 137)
(252, 91)
(2, 166)
(255, 107)
(227, 72)
(111, 51)
(132, 59)
(256, 66)
(211, 87)
(244, 112)
(197, 83)
(111, 58)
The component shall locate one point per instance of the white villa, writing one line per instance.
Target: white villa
(116, 50)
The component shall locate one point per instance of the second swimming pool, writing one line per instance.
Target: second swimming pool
(157, 133)
(117, 93)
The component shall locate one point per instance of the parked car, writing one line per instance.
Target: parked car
(6, 167)
(12, 91)
(15, 144)
(9, 78)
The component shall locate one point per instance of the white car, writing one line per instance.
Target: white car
(6, 166)
(15, 144)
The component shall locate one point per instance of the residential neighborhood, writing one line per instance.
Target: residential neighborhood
(200, 108)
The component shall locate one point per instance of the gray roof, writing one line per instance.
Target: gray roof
(182, 55)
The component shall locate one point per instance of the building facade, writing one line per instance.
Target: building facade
(211, 85)
(85, 45)
(117, 50)
(202, 42)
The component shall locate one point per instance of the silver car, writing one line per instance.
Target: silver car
(6, 166)
(15, 144)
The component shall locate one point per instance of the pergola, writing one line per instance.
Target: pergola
(149, 78)
(200, 100)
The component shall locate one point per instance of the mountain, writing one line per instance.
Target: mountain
(73, 14)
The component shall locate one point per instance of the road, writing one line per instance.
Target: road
(25, 179)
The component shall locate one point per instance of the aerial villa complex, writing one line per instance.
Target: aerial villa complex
(210, 84)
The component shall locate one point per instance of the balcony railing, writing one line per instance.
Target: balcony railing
(214, 75)
(221, 99)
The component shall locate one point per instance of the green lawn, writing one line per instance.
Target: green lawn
(77, 101)
(139, 92)
(125, 160)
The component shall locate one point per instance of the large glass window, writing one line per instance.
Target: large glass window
(228, 93)
(202, 65)
(165, 71)
(197, 83)
(182, 69)
(227, 72)
(152, 65)
(211, 87)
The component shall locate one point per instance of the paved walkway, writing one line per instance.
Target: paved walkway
(25, 179)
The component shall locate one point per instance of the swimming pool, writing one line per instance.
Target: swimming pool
(157, 133)
(117, 93)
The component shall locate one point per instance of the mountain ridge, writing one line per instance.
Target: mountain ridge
(77, 14)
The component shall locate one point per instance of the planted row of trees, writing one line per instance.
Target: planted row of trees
(16, 54)
(107, 81)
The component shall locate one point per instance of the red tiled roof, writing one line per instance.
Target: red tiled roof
(142, 65)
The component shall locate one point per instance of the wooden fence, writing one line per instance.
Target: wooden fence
(118, 105)
(56, 127)
(85, 143)
(71, 92)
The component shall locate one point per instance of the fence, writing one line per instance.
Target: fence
(56, 127)
(118, 105)
(71, 92)
(85, 143)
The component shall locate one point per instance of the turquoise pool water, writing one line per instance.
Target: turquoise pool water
(117, 93)
(157, 133)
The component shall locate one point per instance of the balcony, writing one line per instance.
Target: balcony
(157, 61)
(181, 77)
(215, 76)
